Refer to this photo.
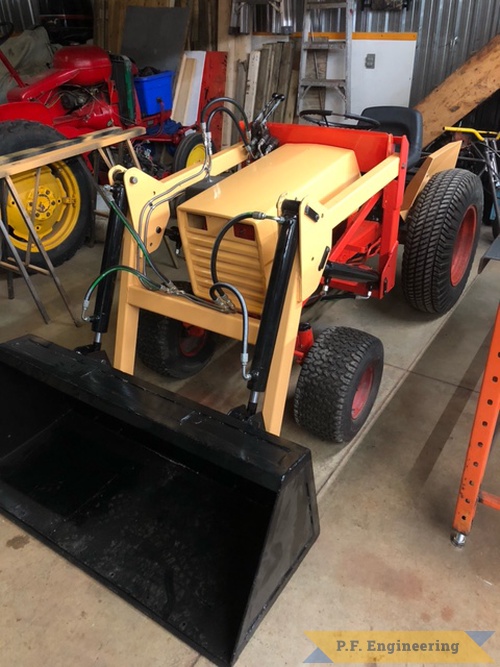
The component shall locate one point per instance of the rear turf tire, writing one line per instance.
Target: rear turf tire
(441, 240)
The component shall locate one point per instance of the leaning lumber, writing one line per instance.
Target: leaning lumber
(462, 91)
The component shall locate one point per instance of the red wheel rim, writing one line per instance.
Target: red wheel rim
(463, 245)
(192, 341)
(362, 392)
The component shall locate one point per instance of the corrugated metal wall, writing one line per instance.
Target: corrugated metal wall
(449, 31)
(22, 13)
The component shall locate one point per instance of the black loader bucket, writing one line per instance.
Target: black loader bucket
(192, 516)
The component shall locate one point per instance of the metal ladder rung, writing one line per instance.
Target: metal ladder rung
(324, 46)
(322, 83)
(325, 5)
(314, 70)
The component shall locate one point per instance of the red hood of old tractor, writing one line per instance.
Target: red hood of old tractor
(91, 64)
(84, 65)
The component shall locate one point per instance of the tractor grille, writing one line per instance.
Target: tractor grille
(239, 261)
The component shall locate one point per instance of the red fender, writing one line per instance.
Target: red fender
(26, 111)
(38, 113)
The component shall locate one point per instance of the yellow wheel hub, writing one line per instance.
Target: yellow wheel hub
(196, 155)
(53, 207)
(45, 202)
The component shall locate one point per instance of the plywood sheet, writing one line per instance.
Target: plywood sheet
(193, 104)
(183, 86)
(462, 91)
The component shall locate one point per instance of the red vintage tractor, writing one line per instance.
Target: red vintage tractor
(86, 89)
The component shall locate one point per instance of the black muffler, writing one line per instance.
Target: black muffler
(196, 518)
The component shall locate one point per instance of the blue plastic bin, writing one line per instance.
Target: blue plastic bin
(153, 92)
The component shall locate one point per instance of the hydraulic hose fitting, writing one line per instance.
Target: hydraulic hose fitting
(207, 142)
(85, 307)
(225, 303)
(244, 363)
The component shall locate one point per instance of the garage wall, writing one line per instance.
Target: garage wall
(449, 32)
(23, 14)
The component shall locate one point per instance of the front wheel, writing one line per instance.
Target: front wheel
(441, 240)
(190, 151)
(338, 383)
(173, 348)
(61, 204)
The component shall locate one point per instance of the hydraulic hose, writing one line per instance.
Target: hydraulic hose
(217, 100)
(112, 270)
(233, 118)
(255, 215)
(218, 241)
(244, 324)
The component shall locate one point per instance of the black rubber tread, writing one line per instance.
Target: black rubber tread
(158, 344)
(186, 145)
(19, 135)
(431, 229)
(328, 381)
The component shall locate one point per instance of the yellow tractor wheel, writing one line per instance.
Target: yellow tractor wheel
(190, 151)
(59, 202)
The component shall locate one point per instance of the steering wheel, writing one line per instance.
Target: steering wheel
(6, 30)
(364, 122)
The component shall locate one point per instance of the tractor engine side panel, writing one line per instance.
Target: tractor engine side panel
(292, 171)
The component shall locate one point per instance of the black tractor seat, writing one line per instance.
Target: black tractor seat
(400, 121)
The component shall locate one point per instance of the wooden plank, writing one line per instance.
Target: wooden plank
(272, 71)
(211, 25)
(462, 91)
(191, 112)
(194, 31)
(290, 103)
(213, 85)
(239, 95)
(251, 87)
(277, 50)
(285, 73)
(32, 158)
(237, 49)
(183, 88)
(115, 26)
(293, 89)
(100, 22)
(263, 78)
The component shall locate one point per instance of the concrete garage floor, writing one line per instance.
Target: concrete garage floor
(383, 560)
